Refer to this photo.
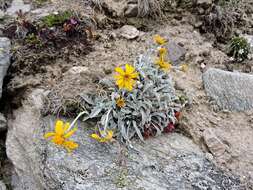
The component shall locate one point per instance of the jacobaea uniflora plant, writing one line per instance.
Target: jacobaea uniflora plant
(140, 100)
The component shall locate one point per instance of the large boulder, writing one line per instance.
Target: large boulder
(166, 162)
(5, 46)
(230, 90)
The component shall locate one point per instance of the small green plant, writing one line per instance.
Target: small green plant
(34, 40)
(56, 19)
(239, 48)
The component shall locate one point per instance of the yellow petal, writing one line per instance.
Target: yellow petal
(162, 51)
(134, 75)
(66, 127)
(70, 145)
(120, 70)
(95, 136)
(117, 77)
(129, 86)
(49, 134)
(120, 83)
(159, 40)
(59, 127)
(70, 133)
(109, 135)
(129, 69)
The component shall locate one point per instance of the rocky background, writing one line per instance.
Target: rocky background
(212, 148)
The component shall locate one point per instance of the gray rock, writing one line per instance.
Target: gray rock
(114, 7)
(131, 10)
(232, 91)
(129, 32)
(5, 46)
(204, 3)
(219, 150)
(3, 123)
(2, 186)
(176, 52)
(249, 38)
(166, 162)
(17, 5)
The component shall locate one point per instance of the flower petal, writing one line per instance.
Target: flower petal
(109, 135)
(120, 83)
(49, 134)
(59, 127)
(96, 137)
(129, 69)
(66, 127)
(129, 86)
(70, 145)
(120, 70)
(70, 133)
(134, 75)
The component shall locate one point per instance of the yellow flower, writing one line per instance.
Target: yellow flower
(61, 134)
(126, 79)
(120, 102)
(159, 40)
(184, 67)
(162, 51)
(166, 66)
(104, 136)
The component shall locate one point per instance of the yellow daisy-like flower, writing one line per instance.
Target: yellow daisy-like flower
(184, 67)
(162, 51)
(126, 79)
(159, 40)
(61, 134)
(166, 66)
(120, 102)
(104, 136)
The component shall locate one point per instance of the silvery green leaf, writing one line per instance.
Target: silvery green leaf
(87, 99)
(143, 116)
(126, 111)
(137, 131)
(107, 82)
(95, 112)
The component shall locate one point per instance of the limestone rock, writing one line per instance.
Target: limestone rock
(204, 3)
(232, 91)
(176, 52)
(5, 46)
(216, 146)
(2, 186)
(3, 123)
(129, 32)
(114, 7)
(131, 10)
(17, 5)
(166, 162)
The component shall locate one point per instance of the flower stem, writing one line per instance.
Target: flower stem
(75, 120)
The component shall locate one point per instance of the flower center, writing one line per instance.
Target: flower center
(58, 139)
(127, 77)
